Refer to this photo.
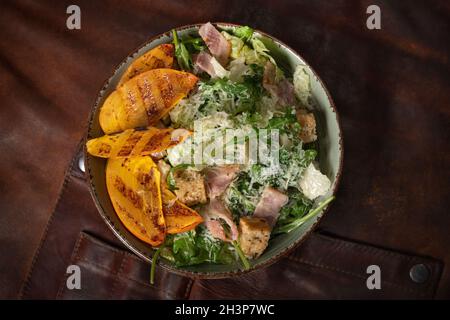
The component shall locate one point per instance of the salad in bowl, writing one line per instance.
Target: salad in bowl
(213, 150)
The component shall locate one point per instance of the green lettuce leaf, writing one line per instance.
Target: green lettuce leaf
(245, 33)
(197, 246)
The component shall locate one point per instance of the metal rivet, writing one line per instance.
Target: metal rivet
(419, 273)
(81, 163)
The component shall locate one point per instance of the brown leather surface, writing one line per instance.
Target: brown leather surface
(390, 86)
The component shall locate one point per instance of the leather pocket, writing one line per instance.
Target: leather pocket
(327, 267)
(107, 272)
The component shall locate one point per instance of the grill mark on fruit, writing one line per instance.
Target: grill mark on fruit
(145, 89)
(150, 104)
(132, 100)
(104, 149)
(176, 210)
(152, 211)
(153, 191)
(130, 143)
(113, 138)
(128, 193)
(131, 217)
(152, 112)
(125, 163)
(156, 238)
(154, 218)
(158, 63)
(168, 49)
(161, 227)
(155, 141)
(167, 91)
(145, 179)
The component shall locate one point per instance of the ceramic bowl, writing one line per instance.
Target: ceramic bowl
(330, 159)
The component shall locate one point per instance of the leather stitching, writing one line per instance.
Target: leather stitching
(73, 258)
(26, 283)
(116, 281)
(187, 292)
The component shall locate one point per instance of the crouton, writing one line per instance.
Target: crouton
(254, 236)
(308, 124)
(190, 186)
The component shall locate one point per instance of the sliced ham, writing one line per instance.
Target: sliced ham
(282, 90)
(270, 204)
(205, 62)
(216, 42)
(286, 93)
(216, 229)
(202, 62)
(217, 181)
(215, 211)
(219, 178)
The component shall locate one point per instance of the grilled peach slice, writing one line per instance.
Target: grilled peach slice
(132, 142)
(179, 217)
(134, 188)
(159, 57)
(145, 99)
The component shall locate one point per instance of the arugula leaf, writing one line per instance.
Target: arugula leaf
(297, 222)
(181, 53)
(287, 123)
(238, 202)
(171, 184)
(184, 245)
(154, 261)
(245, 33)
(241, 255)
(214, 250)
(194, 45)
(231, 97)
(198, 246)
(297, 207)
(293, 161)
